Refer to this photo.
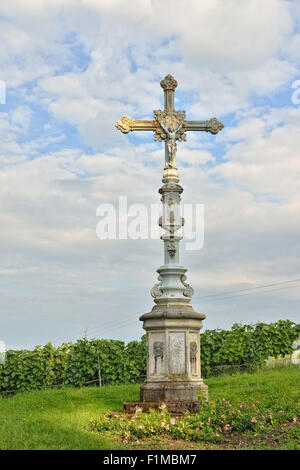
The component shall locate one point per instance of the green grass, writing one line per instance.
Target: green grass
(267, 386)
(58, 419)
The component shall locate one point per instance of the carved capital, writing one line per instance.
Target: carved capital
(171, 189)
(169, 83)
(125, 124)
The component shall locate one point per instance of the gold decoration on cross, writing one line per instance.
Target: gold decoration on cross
(169, 125)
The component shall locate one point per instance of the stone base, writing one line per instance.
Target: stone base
(176, 397)
(164, 392)
(174, 407)
(173, 358)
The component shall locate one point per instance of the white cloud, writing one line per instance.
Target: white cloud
(89, 63)
(226, 35)
(265, 160)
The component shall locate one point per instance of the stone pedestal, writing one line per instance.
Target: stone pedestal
(173, 359)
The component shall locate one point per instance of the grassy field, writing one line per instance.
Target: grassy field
(59, 419)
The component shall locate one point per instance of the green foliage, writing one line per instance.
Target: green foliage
(248, 345)
(77, 363)
(28, 370)
(73, 364)
(215, 419)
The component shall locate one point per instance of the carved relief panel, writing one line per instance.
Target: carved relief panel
(177, 353)
(194, 353)
(193, 357)
(157, 354)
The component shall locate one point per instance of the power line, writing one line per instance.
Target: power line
(111, 324)
(251, 293)
(107, 326)
(246, 289)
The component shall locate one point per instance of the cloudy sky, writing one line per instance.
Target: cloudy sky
(71, 69)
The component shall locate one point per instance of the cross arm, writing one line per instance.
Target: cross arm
(212, 125)
(126, 124)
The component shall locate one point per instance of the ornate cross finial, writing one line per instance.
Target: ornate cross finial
(169, 125)
(169, 83)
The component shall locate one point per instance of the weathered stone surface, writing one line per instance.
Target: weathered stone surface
(175, 407)
(169, 310)
(178, 389)
(174, 375)
(177, 353)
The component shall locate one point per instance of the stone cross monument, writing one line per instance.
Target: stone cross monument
(173, 327)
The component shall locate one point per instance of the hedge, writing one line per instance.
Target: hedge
(77, 363)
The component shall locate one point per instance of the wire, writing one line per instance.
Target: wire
(251, 293)
(109, 328)
(112, 326)
(248, 288)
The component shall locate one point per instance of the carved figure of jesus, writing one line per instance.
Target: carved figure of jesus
(171, 142)
(172, 147)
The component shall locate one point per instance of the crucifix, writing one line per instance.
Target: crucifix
(172, 326)
(169, 125)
